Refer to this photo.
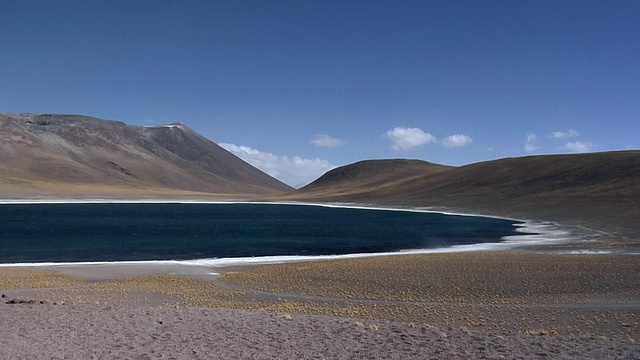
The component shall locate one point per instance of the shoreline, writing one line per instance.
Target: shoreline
(538, 301)
(536, 236)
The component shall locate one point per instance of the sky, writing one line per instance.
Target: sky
(299, 87)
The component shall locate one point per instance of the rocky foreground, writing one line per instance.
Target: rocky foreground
(138, 332)
(473, 305)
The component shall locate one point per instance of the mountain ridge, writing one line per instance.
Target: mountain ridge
(591, 189)
(371, 174)
(83, 150)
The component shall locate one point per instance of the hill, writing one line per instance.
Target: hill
(594, 189)
(370, 175)
(61, 155)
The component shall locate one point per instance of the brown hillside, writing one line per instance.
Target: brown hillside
(371, 174)
(48, 154)
(596, 189)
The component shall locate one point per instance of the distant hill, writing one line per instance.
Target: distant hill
(594, 189)
(371, 175)
(51, 154)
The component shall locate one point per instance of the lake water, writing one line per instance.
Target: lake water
(76, 232)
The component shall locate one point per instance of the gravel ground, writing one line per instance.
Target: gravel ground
(455, 306)
(134, 332)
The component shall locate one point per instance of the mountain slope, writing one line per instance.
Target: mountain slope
(595, 189)
(371, 175)
(75, 152)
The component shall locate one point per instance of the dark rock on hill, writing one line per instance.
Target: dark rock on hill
(50, 154)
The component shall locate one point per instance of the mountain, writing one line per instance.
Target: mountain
(371, 175)
(594, 189)
(58, 155)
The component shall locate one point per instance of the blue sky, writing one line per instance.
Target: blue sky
(298, 87)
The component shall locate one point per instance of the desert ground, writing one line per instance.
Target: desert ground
(490, 305)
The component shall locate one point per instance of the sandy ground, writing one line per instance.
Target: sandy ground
(90, 332)
(469, 305)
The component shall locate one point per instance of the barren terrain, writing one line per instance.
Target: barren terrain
(471, 305)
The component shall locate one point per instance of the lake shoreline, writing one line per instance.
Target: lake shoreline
(523, 302)
(536, 236)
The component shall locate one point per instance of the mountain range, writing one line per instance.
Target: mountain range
(51, 155)
(592, 189)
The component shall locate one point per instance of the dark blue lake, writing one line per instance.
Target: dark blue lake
(133, 231)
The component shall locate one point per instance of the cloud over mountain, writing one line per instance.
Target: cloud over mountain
(403, 138)
(457, 140)
(293, 170)
(530, 145)
(565, 134)
(326, 141)
(578, 146)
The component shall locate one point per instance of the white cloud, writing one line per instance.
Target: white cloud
(530, 145)
(408, 138)
(326, 141)
(565, 134)
(293, 170)
(578, 146)
(457, 140)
